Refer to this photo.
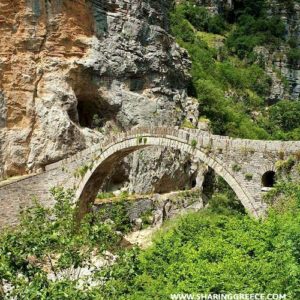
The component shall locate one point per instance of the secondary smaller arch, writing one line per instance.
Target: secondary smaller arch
(268, 179)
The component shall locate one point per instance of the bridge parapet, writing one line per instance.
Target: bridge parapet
(242, 163)
(203, 139)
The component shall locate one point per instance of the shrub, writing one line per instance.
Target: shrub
(200, 18)
(285, 115)
(294, 56)
(117, 211)
(81, 171)
(147, 217)
(285, 165)
(187, 124)
(224, 253)
(194, 143)
(48, 239)
(105, 195)
(253, 30)
(223, 203)
(236, 168)
(183, 29)
(248, 176)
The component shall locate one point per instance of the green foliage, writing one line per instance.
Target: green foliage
(214, 79)
(216, 253)
(252, 31)
(200, 18)
(81, 171)
(105, 195)
(227, 117)
(194, 143)
(286, 115)
(285, 166)
(49, 237)
(236, 168)
(294, 56)
(222, 199)
(124, 195)
(283, 120)
(118, 213)
(187, 124)
(147, 218)
(230, 88)
(254, 8)
(184, 29)
(211, 251)
(254, 27)
(248, 176)
(222, 203)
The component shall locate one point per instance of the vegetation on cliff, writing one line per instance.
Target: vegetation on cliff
(228, 76)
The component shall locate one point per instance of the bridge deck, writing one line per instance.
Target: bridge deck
(14, 179)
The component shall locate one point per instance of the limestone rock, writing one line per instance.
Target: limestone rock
(161, 171)
(74, 71)
(137, 224)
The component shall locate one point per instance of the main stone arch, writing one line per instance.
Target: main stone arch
(241, 162)
(105, 159)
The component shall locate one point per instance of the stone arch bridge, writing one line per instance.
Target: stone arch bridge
(246, 165)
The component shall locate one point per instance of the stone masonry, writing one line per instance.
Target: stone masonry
(241, 163)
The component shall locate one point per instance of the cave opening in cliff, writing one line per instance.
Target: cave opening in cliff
(92, 110)
(88, 113)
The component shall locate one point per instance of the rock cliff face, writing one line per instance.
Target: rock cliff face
(72, 71)
(289, 11)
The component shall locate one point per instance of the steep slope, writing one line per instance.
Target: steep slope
(245, 64)
(284, 59)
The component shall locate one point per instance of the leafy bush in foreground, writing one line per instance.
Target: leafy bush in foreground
(207, 252)
(48, 240)
(212, 251)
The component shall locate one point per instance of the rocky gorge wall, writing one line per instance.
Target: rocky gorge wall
(72, 71)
